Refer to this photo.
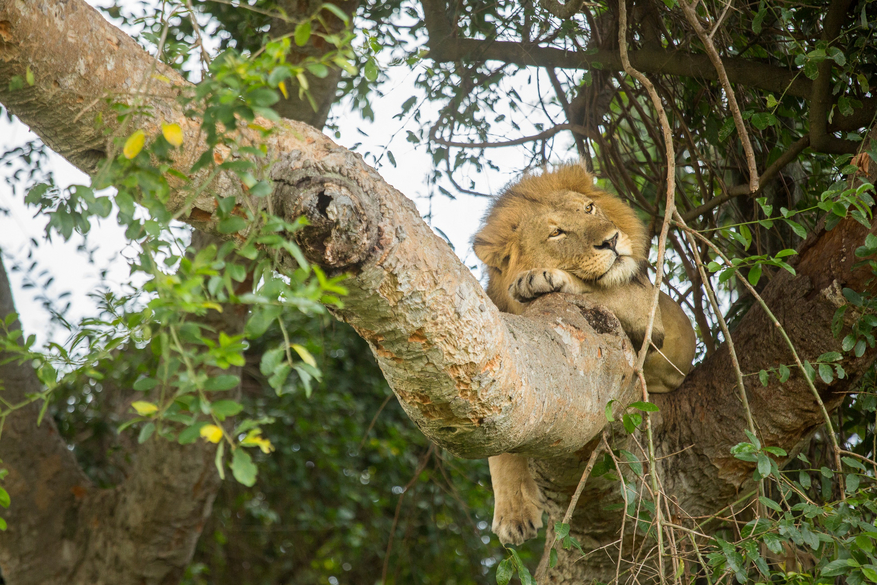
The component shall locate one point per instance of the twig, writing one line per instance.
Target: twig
(374, 420)
(626, 503)
(788, 156)
(738, 373)
(564, 11)
(575, 497)
(691, 15)
(543, 567)
(669, 209)
(417, 472)
(575, 128)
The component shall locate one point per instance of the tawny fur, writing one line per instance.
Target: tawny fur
(557, 232)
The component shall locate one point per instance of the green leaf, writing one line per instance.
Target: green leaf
(644, 406)
(144, 384)
(835, 568)
(243, 468)
(220, 468)
(797, 228)
(504, 571)
(561, 530)
(4, 498)
(371, 69)
(763, 119)
(754, 274)
(763, 465)
(2, 524)
(190, 434)
(231, 225)
(853, 463)
(852, 483)
(763, 377)
(770, 504)
(552, 558)
(853, 297)
(784, 373)
(223, 382)
(837, 322)
(146, 432)
(809, 371)
(826, 373)
(609, 411)
(225, 408)
(302, 33)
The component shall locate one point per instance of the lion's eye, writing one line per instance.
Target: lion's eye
(556, 232)
(589, 208)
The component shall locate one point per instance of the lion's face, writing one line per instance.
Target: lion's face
(560, 220)
(578, 237)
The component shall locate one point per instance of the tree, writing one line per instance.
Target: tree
(477, 382)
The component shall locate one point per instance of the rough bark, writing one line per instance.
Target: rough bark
(476, 381)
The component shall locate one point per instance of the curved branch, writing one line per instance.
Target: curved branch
(575, 128)
(706, 39)
(562, 11)
(779, 164)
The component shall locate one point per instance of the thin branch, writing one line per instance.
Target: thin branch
(543, 567)
(691, 15)
(669, 209)
(779, 164)
(517, 141)
(564, 11)
(717, 310)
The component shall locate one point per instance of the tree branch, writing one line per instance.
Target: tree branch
(445, 47)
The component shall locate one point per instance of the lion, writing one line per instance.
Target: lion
(557, 232)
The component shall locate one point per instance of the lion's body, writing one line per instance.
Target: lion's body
(556, 232)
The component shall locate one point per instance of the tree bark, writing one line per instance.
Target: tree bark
(476, 381)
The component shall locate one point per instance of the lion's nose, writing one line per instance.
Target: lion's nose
(609, 244)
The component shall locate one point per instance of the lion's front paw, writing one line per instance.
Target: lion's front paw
(532, 283)
(516, 520)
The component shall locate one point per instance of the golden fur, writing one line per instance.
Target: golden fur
(557, 232)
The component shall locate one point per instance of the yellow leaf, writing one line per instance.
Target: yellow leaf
(282, 87)
(305, 355)
(254, 440)
(172, 133)
(212, 433)
(144, 408)
(134, 144)
(302, 81)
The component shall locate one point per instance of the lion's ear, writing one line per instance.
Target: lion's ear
(494, 254)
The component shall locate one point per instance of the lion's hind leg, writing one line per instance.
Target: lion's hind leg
(517, 509)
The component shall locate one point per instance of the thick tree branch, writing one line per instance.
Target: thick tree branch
(821, 100)
(43, 477)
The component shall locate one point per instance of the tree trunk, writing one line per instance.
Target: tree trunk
(476, 381)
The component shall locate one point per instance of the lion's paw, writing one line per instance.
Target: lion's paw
(516, 519)
(532, 283)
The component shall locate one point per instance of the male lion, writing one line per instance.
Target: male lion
(556, 232)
